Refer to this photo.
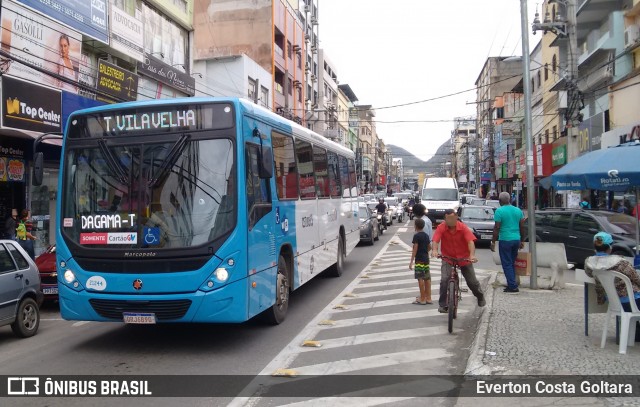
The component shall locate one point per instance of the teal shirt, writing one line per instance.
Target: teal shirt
(509, 217)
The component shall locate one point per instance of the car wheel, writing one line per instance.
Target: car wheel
(377, 230)
(27, 319)
(371, 240)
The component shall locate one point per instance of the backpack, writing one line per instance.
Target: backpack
(21, 231)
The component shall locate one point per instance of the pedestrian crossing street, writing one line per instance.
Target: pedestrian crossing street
(372, 328)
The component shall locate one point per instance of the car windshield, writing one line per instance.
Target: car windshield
(493, 204)
(617, 223)
(439, 194)
(363, 213)
(477, 213)
(476, 201)
(164, 195)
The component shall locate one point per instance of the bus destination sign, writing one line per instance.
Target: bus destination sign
(164, 119)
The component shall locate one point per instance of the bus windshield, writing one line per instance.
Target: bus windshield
(163, 195)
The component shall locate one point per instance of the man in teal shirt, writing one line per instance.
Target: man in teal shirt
(509, 230)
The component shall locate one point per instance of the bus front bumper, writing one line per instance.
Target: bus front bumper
(226, 304)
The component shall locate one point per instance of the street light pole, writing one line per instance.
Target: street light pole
(529, 143)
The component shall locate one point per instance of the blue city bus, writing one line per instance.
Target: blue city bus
(197, 210)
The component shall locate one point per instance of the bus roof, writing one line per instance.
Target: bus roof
(242, 103)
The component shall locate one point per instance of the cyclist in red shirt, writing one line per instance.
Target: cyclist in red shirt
(454, 239)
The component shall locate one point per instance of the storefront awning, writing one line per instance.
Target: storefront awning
(28, 135)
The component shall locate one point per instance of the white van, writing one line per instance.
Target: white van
(439, 194)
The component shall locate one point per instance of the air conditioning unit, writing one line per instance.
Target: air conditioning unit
(307, 8)
(631, 35)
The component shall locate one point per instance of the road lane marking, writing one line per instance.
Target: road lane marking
(80, 323)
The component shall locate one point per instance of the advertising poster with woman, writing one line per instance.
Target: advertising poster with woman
(43, 43)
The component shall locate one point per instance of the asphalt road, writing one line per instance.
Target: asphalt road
(90, 348)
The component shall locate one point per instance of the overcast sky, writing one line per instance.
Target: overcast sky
(394, 52)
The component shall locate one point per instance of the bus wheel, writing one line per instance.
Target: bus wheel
(337, 268)
(278, 311)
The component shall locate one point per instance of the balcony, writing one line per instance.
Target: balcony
(592, 13)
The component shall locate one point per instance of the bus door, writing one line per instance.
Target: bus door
(261, 250)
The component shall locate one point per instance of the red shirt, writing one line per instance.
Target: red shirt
(454, 243)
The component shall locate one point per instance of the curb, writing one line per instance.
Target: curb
(475, 363)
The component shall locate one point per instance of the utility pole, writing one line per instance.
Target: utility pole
(566, 28)
(529, 142)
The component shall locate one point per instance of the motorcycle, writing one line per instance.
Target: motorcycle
(383, 221)
(410, 210)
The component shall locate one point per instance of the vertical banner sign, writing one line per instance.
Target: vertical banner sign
(127, 34)
(117, 81)
(30, 37)
(87, 16)
(27, 106)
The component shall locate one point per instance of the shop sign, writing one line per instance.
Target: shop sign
(11, 151)
(11, 169)
(539, 170)
(511, 168)
(158, 70)
(621, 135)
(37, 40)
(87, 16)
(117, 82)
(127, 34)
(27, 106)
(559, 155)
(590, 134)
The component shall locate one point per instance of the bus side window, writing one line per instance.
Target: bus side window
(307, 181)
(285, 165)
(320, 168)
(258, 191)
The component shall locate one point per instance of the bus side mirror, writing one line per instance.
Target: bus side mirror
(265, 165)
(38, 169)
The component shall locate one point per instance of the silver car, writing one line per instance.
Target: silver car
(20, 295)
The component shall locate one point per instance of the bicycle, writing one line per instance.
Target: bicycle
(454, 293)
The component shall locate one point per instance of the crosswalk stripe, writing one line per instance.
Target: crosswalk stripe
(406, 281)
(347, 401)
(339, 323)
(371, 362)
(385, 292)
(378, 337)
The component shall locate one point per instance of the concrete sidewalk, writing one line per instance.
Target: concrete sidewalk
(541, 332)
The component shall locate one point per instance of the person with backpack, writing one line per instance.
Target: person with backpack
(23, 234)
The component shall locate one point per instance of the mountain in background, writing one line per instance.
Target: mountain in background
(411, 162)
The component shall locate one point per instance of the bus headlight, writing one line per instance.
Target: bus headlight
(69, 277)
(221, 274)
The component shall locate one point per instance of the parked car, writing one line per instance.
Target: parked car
(369, 227)
(20, 295)
(480, 220)
(466, 199)
(495, 204)
(576, 227)
(46, 264)
(476, 200)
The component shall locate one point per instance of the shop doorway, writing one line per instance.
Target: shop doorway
(12, 195)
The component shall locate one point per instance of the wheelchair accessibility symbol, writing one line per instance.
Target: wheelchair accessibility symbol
(151, 236)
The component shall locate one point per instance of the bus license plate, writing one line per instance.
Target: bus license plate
(486, 237)
(139, 318)
(51, 290)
